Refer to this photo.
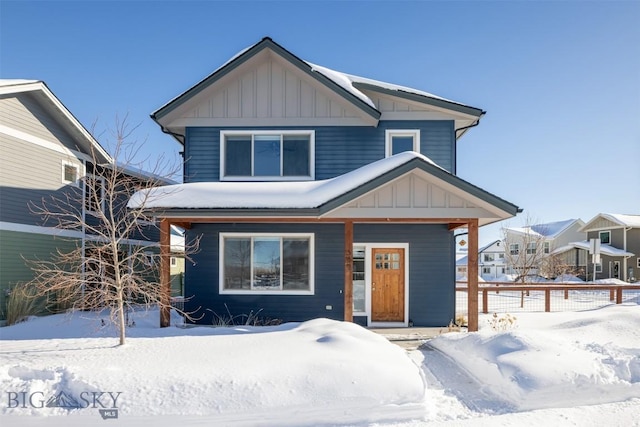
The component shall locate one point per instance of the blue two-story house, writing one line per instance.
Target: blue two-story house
(319, 194)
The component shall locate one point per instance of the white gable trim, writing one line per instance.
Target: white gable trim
(418, 194)
(266, 89)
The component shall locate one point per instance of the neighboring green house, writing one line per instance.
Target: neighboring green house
(44, 151)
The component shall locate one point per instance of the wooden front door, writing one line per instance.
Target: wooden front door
(387, 285)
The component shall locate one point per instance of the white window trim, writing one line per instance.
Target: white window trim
(389, 133)
(78, 167)
(223, 291)
(514, 249)
(312, 155)
(600, 236)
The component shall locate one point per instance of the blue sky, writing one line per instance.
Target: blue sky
(560, 80)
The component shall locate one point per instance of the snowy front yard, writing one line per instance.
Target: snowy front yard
(580, 368)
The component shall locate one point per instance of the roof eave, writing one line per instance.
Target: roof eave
(436, 102)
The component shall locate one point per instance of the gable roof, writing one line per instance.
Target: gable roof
(301, 198)
(586, 246)
(618, 219)
(58, 110)
(549, 230)
(347, 86)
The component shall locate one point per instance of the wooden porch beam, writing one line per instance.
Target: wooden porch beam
(348, 271)
(188, 221)
(165, 272)
(472, 277)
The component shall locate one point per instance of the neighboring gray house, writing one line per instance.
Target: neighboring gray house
(620, 246)
(44, 151)
(534, 243)
(320, 194)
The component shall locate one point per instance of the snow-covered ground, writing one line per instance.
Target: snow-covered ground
(562, 368)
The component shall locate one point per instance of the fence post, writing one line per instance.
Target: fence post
(547, 300)
(566, 294)
(485, 301)
(611, 294)
(619, 295)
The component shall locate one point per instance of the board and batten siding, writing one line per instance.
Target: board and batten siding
(431, 274)
(338, 149)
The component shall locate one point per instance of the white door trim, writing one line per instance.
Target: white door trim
(368, 247)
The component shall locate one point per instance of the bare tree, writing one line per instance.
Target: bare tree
(113, 266)
(557, 265)
(525, 250)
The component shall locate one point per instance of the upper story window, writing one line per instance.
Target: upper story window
(267, 155)
(398, 141)
(605, 237)
(489, 257)
(70, 173)
(514, 249)
(531, 248)
(546, 248)
(94, 194)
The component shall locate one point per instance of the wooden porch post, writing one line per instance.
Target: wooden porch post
(472, 277)
(348, 271)
(165, 273)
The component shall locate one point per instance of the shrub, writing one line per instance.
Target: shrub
(503, 323)
(22, 302)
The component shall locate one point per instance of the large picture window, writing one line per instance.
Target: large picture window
(265, 263)
(260, 155)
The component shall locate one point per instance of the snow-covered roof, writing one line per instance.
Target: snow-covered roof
(620, 219)
(585, 245)
(549, 230)
(268, 195)
(15, 82)
(347, 82)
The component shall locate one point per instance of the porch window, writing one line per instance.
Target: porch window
(260, 155)
(398, 141)
(266, 264)
(359, 292)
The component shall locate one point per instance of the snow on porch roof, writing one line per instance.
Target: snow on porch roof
(267, 195)
(297, 195)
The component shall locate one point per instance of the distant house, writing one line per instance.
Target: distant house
(620, 246)
(491, 262)
(534, 245)
(320, 194)
(44, 152)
